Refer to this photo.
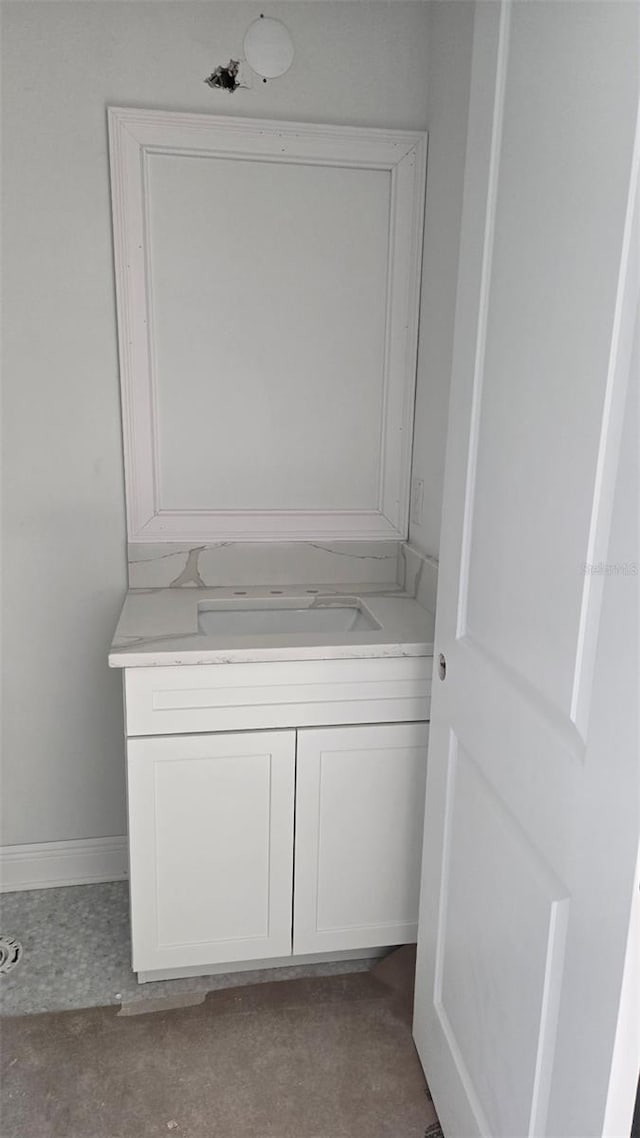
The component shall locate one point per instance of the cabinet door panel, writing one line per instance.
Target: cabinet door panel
(359, 819)
(211, 825)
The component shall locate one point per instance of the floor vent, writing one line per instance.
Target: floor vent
(10, 953)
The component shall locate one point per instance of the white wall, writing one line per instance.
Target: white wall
(449, 66)
(64, 564)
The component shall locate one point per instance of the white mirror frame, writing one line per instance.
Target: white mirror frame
(133, 135)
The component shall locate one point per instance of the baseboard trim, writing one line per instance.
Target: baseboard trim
(45, 865)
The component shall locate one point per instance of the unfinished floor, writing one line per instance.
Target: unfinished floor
(323, 1051)
(322, 1057)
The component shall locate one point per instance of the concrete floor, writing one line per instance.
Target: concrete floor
(77, 952)
(323, 1057)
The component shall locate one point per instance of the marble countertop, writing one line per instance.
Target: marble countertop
(159, 627)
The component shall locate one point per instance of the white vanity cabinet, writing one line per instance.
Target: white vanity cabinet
(359, 818)
(211, 847)
(275, 809)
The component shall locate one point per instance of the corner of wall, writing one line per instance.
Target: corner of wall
(450, 38)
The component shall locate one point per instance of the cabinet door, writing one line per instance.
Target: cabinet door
(211, 845)
(359, 817)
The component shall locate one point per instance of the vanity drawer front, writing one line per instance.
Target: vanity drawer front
(241, 697)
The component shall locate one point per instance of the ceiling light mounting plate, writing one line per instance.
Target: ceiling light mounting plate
(268, 47)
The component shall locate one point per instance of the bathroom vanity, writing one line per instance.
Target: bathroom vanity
(276, 737)
(276, 764)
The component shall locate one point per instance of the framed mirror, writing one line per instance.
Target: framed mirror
(267, 279)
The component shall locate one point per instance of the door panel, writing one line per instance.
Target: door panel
(211, 847)
(499, 896)
(547, 299)
(561, 178)
(359, 821)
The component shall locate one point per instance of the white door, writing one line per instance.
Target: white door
(359, 823)
(530, 879)
(211, 847)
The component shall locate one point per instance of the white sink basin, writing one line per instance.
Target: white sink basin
(260, 617)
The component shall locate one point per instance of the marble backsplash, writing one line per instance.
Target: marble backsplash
(418, 575)
(380, 566)
(263, 563)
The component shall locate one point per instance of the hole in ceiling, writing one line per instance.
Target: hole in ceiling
(225, 78)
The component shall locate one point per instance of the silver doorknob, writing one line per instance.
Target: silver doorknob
(442, 666)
